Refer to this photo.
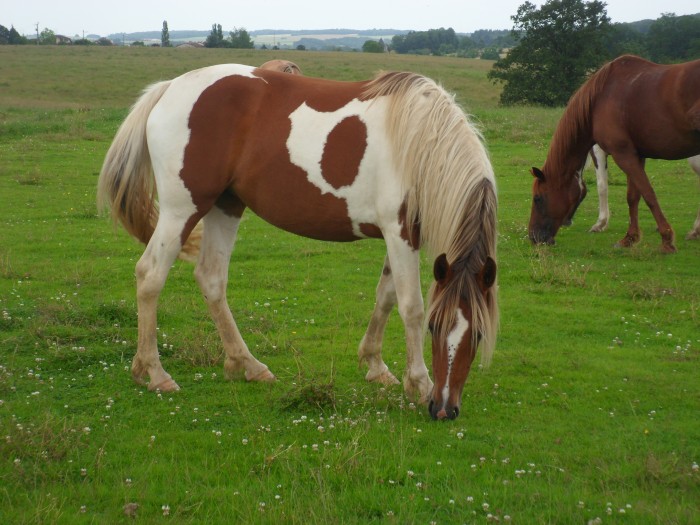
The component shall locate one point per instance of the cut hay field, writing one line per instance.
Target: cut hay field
(590, 410)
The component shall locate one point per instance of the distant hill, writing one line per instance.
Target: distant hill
(283, 38)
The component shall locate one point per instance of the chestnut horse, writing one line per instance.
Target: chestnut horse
(634, 109)
(600, 162)
(284, 66)
(393, 158)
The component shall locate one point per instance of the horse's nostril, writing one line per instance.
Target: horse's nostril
(456, 412)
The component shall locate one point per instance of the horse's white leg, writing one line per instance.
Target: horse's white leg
(601, 175)
(405, 270)
(212, 276)
(151, 271)
(695, 232)
(370, 350)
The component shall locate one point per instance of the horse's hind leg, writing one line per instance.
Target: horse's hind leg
(151, 272)
(370, 350)
(212, 276)
(695, 232)
(600, 160)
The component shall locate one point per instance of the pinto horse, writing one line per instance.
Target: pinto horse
(393, 158)
(600, 162)
(634, 109)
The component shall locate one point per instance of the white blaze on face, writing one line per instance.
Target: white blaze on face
(454, 339)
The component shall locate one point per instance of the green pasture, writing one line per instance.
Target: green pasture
(590, 410)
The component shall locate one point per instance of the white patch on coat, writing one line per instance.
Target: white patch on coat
(307, 139)
(168, 133)
(454, 339)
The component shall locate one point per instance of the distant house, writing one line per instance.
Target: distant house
(186, 45)
(63, 40)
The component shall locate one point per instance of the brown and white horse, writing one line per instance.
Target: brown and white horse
(392, 158)
(634, 109)
(600, 162)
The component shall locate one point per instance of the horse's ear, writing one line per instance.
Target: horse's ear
(441, 268)
(537, 173)
(487, 274)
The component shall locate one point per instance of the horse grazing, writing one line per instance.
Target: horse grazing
(600, 162)
(392, 158)
(283, 66)
(633, 109)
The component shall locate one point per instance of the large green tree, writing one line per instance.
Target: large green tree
(240, 39)
(216, 37)
(559, 44)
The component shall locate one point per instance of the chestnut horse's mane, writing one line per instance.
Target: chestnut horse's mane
(575, 124)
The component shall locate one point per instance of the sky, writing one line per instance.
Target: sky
(78, 17)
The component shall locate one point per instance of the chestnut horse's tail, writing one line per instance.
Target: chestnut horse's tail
(126, 185)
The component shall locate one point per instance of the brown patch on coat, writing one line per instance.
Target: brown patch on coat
(410, 234)
(344, 150)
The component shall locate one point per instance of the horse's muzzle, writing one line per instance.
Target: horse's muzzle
(445, 412)
(541, 237)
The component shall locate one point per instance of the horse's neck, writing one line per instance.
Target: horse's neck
(568, 152)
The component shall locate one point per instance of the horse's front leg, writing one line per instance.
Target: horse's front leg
(633, 234)
(370, 350)
(405, 262)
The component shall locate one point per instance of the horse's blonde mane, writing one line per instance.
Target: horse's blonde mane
(450, 191)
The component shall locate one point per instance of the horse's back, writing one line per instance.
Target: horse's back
(653, 105)
(305, 154)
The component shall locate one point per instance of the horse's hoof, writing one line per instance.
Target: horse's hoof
(598, 227)
(262, 377)
(627, 241)
(385, 378)
(692, 235)
(169, 385)
(668, 248)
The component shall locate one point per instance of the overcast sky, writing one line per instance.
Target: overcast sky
(73, 17)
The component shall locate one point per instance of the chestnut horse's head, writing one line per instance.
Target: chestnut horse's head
(554, 203)
(456, 337)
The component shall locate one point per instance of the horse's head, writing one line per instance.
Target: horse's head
(454, 338)
(553, 205)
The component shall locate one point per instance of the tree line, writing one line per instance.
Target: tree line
(562, 42)
(668, 39)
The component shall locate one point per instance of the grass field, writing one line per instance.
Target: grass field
(589, 410)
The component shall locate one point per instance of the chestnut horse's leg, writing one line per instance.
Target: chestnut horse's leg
(211, 273)
(633, 234)
(370, 350)
(600, 160)
(151, 271)
(638, 184)
(405, 270)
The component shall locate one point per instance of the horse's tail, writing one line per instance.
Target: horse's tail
(126, 185)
